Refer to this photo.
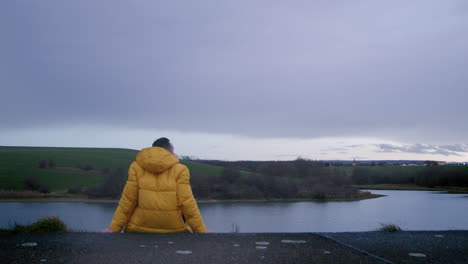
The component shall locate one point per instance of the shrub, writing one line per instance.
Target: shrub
(87, 167)
(95, 192)
(111, 187)
(319, 196)
(47, 224)
(44, 225)
(75, 189)
(43, 164)
(389, 228)
(45, 189)
(46, 164)
(15, 229)
(5, 231)
(31, 183)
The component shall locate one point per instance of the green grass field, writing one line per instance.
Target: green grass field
(17, 163)
(204, 169)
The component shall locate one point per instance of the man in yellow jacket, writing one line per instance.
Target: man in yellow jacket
(157, 196)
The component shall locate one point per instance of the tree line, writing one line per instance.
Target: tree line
(429, 176)
(297, 179)
(270, 180)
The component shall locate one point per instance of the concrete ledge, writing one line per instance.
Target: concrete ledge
(367, 247)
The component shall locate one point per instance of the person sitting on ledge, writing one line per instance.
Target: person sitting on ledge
(157, 196)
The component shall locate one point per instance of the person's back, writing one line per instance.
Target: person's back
(157, 196)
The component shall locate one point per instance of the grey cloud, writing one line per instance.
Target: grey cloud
(336, 149)
(456, 147)
(345, 148)
(382, 69)
(355, 146)
(389, 148)
(446, 150)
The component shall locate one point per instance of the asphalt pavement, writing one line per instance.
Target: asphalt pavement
(367, 247)
(410, 247)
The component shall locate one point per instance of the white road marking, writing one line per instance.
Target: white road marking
(293, 241)
(184, 252)
(29, 244)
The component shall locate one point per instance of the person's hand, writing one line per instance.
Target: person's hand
(107, 230)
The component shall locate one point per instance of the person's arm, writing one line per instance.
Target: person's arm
(188, 204)
(127, 202)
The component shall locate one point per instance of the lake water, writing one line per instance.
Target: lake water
(411, 210)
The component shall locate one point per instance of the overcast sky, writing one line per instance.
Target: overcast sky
(239, 79)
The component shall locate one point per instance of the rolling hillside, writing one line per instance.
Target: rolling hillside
(17, 163)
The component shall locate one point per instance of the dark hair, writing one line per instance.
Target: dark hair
(162, 142)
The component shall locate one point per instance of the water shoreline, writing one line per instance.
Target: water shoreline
(269, 215)
(86, 200)
(406, 187)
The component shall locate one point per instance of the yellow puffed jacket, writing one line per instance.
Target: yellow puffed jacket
(157, 196)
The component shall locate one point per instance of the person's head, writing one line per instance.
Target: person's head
(164, 143)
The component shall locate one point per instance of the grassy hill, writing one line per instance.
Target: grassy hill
(17, 163)
(240, 180)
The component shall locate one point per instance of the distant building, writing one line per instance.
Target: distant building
(355, 163)
(441, 163)
(456, 163)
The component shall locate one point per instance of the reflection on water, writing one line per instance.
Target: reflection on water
(412, 210)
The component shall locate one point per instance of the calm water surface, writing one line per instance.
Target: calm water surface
(411, 210)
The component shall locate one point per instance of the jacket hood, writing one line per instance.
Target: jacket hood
(156, 159)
